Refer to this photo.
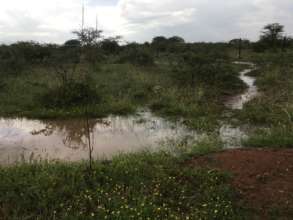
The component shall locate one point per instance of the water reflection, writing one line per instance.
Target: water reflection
(74, 131)
(66, 139)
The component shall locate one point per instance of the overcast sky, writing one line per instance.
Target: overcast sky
(53, 21)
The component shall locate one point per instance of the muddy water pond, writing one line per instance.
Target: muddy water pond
(26, 140)
(29, 140)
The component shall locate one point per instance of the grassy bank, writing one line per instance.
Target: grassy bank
(275, 137)
(133, 186)
(120, 88)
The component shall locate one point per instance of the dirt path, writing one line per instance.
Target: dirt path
(263, 178)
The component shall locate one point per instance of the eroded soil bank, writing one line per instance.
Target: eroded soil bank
(263, 178)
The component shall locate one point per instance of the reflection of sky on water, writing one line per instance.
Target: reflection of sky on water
(66, 139)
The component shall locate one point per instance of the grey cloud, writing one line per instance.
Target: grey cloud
(141, 20)
(19, 21)
(101, 2)
(21, 25)
(219, 20)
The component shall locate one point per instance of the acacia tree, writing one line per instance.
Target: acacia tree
(160, 44)
(240, 44)
(88, 36)
(176, 39)
(272, 34)
(89, 40)
(111, 44)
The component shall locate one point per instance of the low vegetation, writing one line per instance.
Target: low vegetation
(134, 186)
(272, 111)
(276, 137)
(181, 83)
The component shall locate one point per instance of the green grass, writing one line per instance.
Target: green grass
(21, 93)
(274, 107)
(280, 137)
(121, 89)
(187, 148)
(133, 186)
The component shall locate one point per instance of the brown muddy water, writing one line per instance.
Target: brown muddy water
(30, 140)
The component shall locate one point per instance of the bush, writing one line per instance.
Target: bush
(70, 94)
(10, 61)
(110, 46)
(139, 57)
(259, 47)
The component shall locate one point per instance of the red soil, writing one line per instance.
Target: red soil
(263, 178)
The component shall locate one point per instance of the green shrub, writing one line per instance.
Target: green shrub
(140, 57)
(70, 94)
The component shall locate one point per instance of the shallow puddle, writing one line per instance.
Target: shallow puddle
(28, 140)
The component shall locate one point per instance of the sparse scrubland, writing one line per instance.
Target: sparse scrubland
(174, 79)
(186, 83)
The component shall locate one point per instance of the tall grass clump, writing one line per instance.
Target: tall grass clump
(277, 137)
(188, 147)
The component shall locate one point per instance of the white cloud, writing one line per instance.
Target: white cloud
(140, 20)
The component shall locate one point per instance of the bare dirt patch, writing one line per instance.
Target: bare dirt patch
(262, 177)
